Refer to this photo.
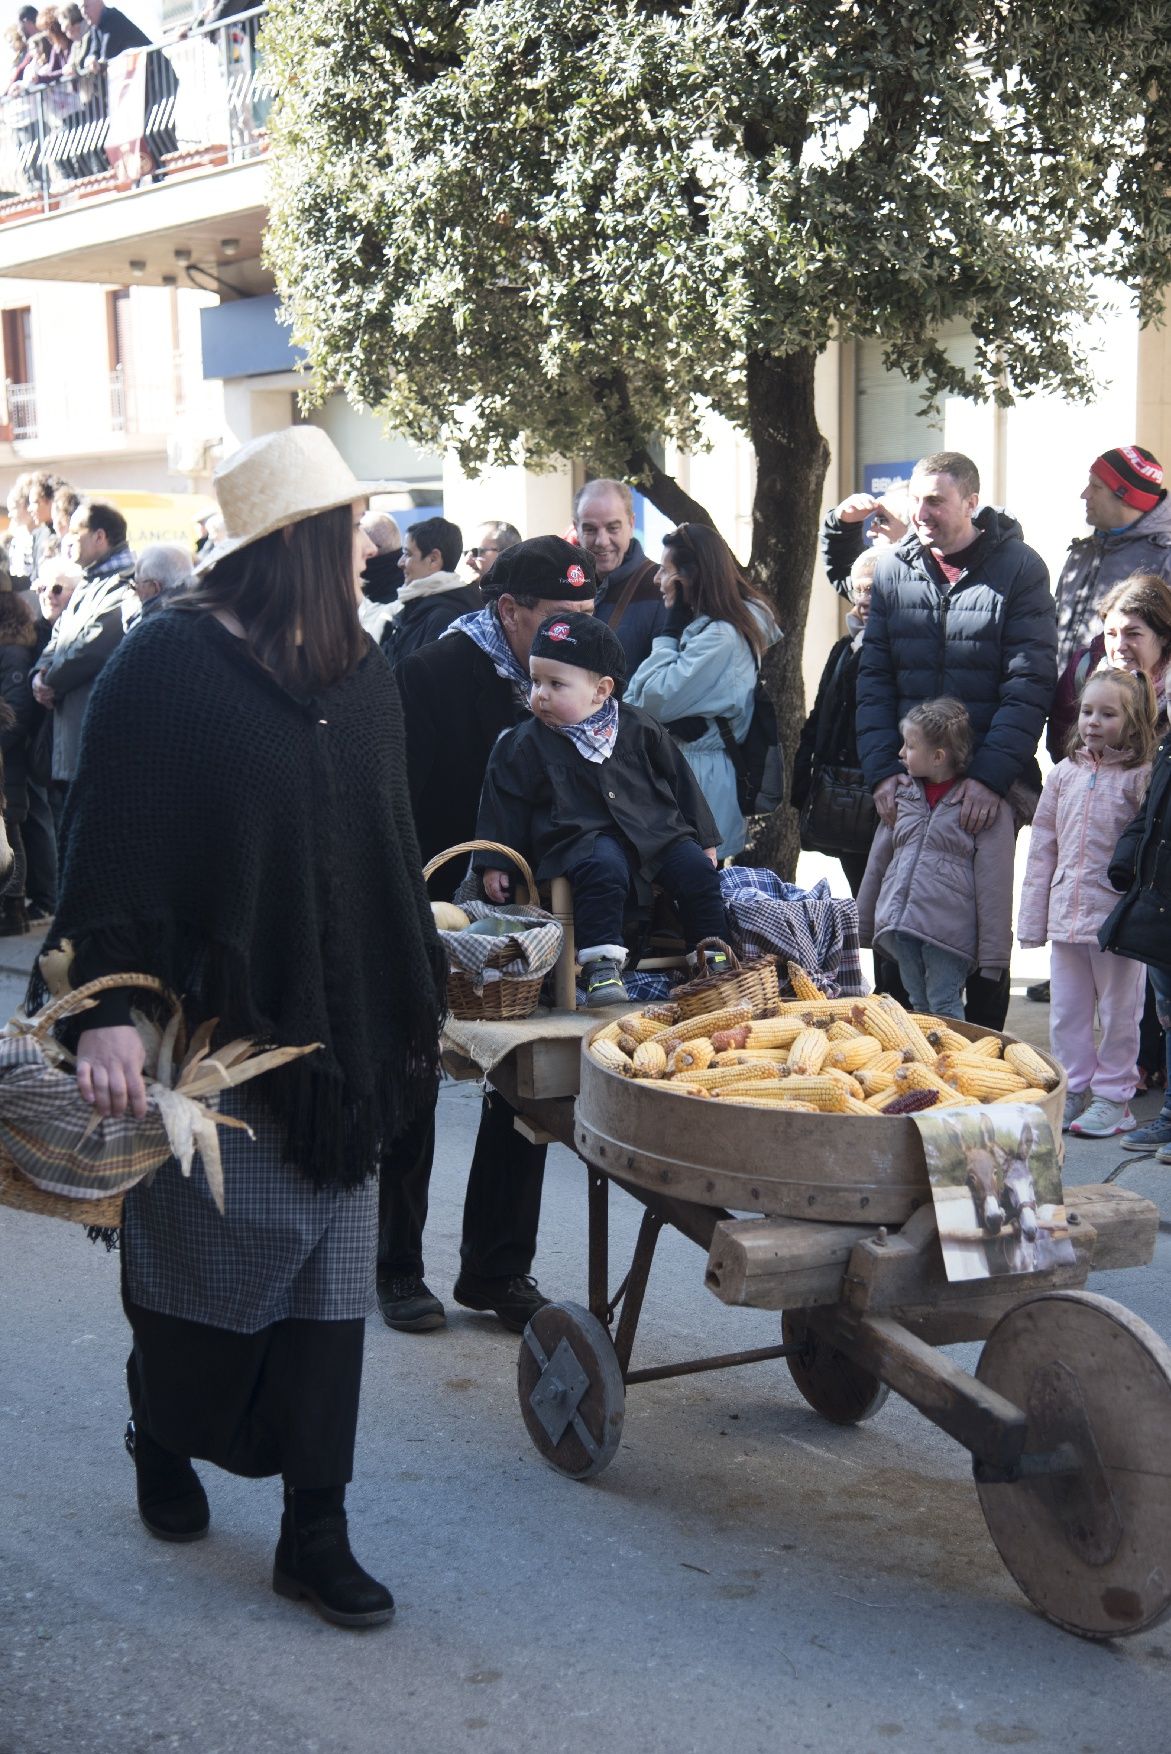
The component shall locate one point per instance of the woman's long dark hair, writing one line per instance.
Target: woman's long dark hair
(715, 585)
(299, 581)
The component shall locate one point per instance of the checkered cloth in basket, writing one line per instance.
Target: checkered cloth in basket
(530, 952)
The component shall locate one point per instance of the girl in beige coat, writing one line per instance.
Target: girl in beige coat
(1088, 800)
(936, 898)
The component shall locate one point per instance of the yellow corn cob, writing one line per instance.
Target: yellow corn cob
(608, 1054)
(912, 1035)
(824, 1093)
(640, 1026)
(713, 1077)
(925, 1020)
(767, 1098)
(917, 1076)
(681, 1088)
(858, 1051)
(1028, 1062)
(955, 1100)
(774, 1032)
(854, 1107)
(690, 1057)
(649, 1060)
(874, 1079)
(802, 983)
(843, 1030)
(847, 1080)
(985, 1047)
(706, 1023)
(611, 1032)
(665, 1012)
(947, 1041)
(985, 1081)
(748, 1057)
(1028, 1095)
(808, 1051)
(882, 1022)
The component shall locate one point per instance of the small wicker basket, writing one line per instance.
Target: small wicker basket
(509, 997)
(742, 983)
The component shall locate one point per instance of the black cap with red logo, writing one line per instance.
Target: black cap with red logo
(582, 640)
(546, 567)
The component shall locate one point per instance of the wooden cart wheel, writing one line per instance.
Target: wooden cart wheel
(830, 1381)
(572, 1396)
(1090, 1548)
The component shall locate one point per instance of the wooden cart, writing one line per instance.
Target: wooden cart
(1068, 1415)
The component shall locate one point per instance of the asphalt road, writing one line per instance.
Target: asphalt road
(743, 1577)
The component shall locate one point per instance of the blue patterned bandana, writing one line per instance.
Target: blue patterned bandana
(483, 627)
(594, 737)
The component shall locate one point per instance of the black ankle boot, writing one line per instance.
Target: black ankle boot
(313, 1561)
(171, 1501)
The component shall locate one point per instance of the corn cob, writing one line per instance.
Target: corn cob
(1022, 1096)
(610, 1032)
(1030, 1065)
(713, 1077)
(608, 1054)
(724, 1039)
(808, 1051)
(947, 1041)
(985, 1047)
(707, 1023)
(848, 1083)
(747, 1057)
(985, 1081)
(917, 1076)
(767, 1099)
(858, 1051)
(774, 1032)
(874, 1079)
(842, 1030)
(912, 1101)
(912, 1036)
(640, 1026)
(802, 983)
(690, 1056)
(680, 1088)
(626, 1044)
(820, 1007)
(666, 1012)
(855, 1107)
(649, 1060)
(825, 1093)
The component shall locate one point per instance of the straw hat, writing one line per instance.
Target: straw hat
(274, 481)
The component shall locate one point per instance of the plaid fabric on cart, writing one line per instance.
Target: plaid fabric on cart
(812, 927)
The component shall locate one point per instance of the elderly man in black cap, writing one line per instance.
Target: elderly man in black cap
(458, 695)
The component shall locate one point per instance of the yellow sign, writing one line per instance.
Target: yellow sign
(157, 517)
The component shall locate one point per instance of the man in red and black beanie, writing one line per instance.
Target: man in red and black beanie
(1130, 522)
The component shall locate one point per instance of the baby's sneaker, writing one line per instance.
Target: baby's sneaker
(1074, 1104)
(1102, 1119)
(604, 984)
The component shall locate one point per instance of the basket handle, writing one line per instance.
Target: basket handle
(718, 943)
(484, 846)
(77, 999)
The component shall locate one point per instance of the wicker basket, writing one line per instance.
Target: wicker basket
(753, 983)
(16, 1190)
(510, 996)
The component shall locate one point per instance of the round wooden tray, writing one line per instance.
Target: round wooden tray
(835, 1168)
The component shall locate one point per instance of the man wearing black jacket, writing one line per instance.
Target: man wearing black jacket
(961, 607)
(458, 695)
(628, 599)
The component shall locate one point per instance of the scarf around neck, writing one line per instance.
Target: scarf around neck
(263, 863)
(482, 627)
(433, 585)
(594, 737)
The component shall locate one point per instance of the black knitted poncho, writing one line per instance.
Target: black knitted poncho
(257, 852)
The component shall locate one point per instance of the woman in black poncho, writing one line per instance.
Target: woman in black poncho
(239, 826)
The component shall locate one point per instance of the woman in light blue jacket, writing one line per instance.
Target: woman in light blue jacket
(704, 665)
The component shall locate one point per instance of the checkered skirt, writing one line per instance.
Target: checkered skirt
(281, 1249)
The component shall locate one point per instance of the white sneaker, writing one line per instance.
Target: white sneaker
(1102, 1119)
(1074, 1104)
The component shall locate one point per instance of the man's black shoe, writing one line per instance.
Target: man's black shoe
(1038, 992)
(408, 1305)
(515, 1300)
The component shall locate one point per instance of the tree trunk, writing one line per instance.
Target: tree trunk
(791, 460)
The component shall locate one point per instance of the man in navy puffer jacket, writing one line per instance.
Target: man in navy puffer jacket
(961, 607)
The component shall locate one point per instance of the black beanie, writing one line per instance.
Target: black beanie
(546, 567)
(582, 640)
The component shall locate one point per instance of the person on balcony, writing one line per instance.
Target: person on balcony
(111, 34)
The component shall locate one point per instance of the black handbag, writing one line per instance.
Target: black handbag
(839, 814)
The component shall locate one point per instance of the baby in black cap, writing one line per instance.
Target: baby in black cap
(599, 793)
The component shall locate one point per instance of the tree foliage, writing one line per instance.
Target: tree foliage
(583, 227)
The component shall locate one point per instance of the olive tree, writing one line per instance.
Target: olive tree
(537, 228)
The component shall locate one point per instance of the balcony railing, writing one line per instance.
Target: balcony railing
(22, 409)
(151, 114)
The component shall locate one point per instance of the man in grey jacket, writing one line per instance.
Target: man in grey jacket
(961, 607)
(87, 631)
(1129, 515)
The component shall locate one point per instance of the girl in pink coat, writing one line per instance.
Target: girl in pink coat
(1088, 800)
